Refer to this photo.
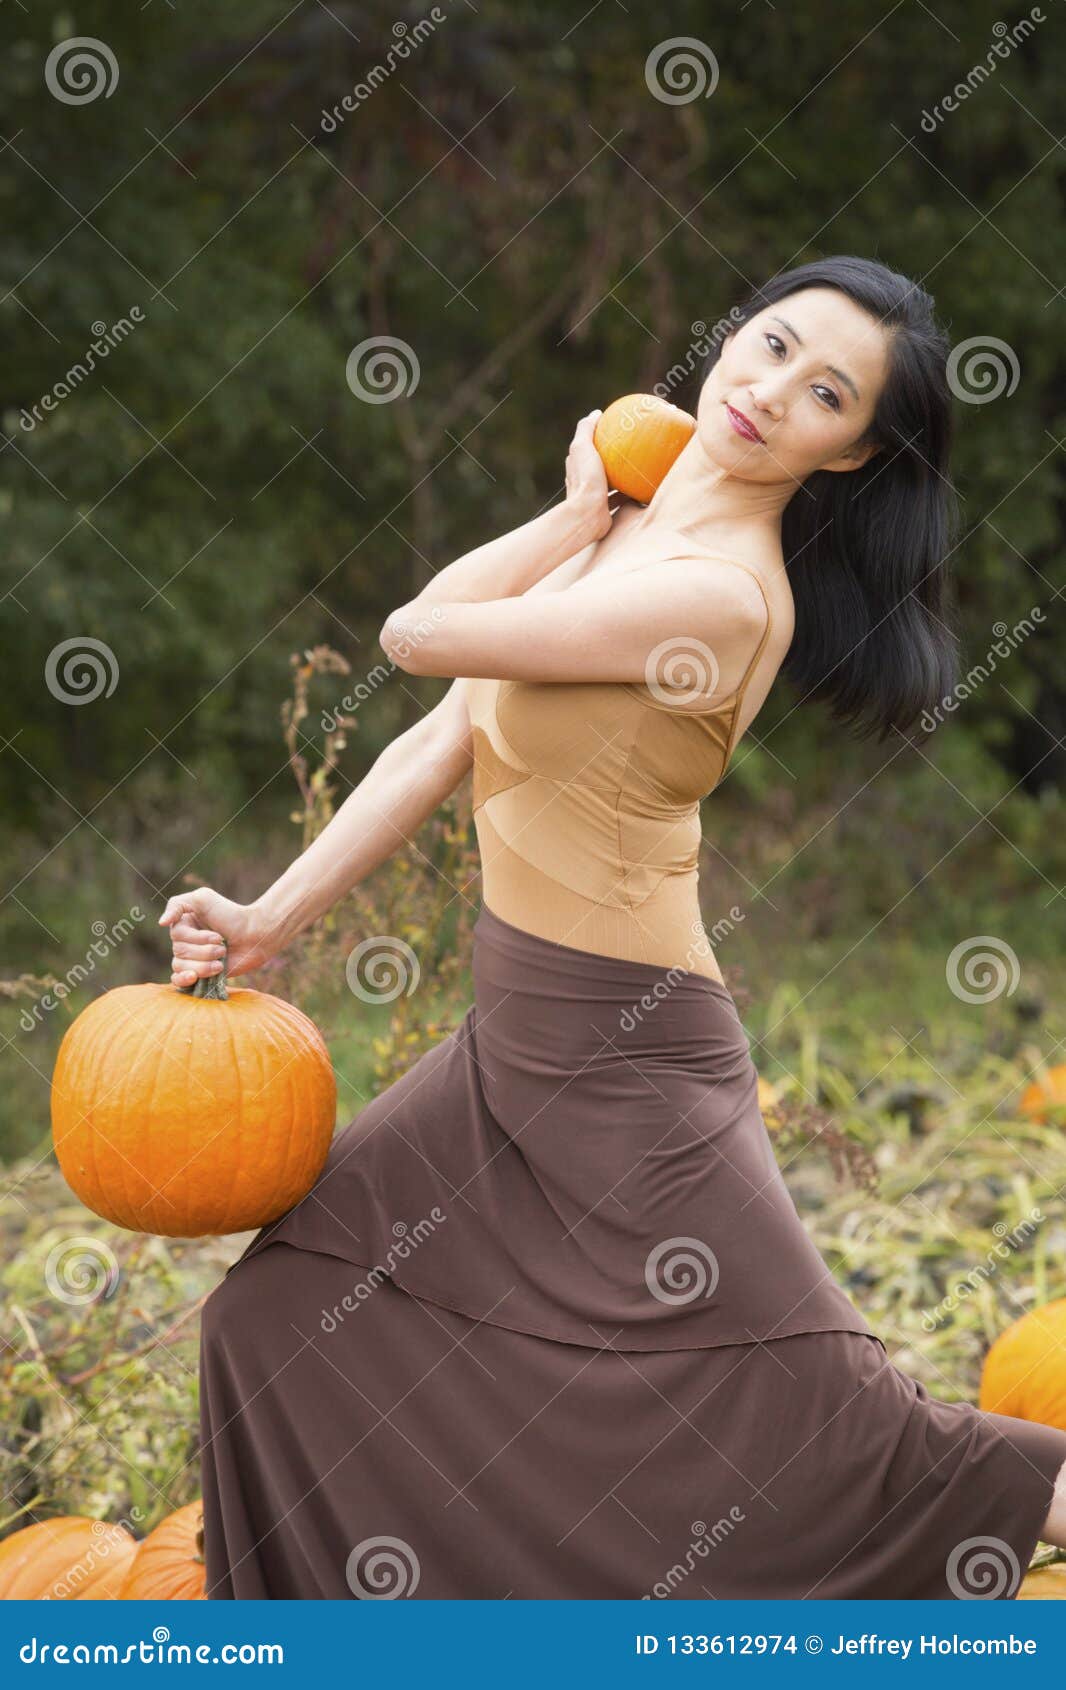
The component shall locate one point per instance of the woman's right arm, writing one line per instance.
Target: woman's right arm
(407, 782)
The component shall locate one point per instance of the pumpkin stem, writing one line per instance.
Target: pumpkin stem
(211, 985)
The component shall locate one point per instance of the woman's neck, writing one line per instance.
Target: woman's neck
(699, 498)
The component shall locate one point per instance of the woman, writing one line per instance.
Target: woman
(548, 1325)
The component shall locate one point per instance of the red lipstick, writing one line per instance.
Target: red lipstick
(743, 427)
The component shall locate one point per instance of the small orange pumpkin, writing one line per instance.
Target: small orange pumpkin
(639, 437)
(192, 1110)
(169, 1566)
(65, 1559)
(1045, 1584)
(1045, 1094)
(1025, 1370)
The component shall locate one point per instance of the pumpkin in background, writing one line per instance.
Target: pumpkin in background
(639, 437)
(1045, 1094)
(64, 1560)
(1025, 1370)
(192, 1110)
(169, 1565)
(1045, 1584)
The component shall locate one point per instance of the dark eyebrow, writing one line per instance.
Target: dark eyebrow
(840, 374)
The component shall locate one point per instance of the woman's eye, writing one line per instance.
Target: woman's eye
(776, 342)
(830, 397)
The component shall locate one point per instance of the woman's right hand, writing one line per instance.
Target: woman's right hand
(587, 487)
(204, 927)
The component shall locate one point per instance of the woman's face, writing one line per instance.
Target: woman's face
(807, 373)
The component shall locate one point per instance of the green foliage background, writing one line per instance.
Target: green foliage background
(512, 202)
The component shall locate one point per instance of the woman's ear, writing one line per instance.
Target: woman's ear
(854, 457)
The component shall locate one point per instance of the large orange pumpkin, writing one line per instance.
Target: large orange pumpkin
(639, 437)
(1045, 1094)
(186, 1111)
(169, 1566)
(65, 1559)
(1025, 1370)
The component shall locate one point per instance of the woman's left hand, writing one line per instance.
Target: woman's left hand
(588, 492)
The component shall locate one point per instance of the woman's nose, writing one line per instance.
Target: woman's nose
(768, 399)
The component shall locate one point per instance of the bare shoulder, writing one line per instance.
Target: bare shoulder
(757, 586)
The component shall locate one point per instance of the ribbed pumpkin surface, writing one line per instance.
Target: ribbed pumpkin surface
(638, 437)
(65, 1559)
(169, 1566)
(1024, 1372)
(182, 1115)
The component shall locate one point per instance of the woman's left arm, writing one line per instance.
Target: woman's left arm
(644, 625)
(511, 564)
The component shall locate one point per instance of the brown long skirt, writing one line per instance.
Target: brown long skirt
(549, 1326)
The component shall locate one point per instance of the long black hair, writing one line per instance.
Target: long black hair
(867, 550)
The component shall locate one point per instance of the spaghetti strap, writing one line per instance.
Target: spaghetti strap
(738, 696)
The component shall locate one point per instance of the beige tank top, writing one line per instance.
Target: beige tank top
(587, 810)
